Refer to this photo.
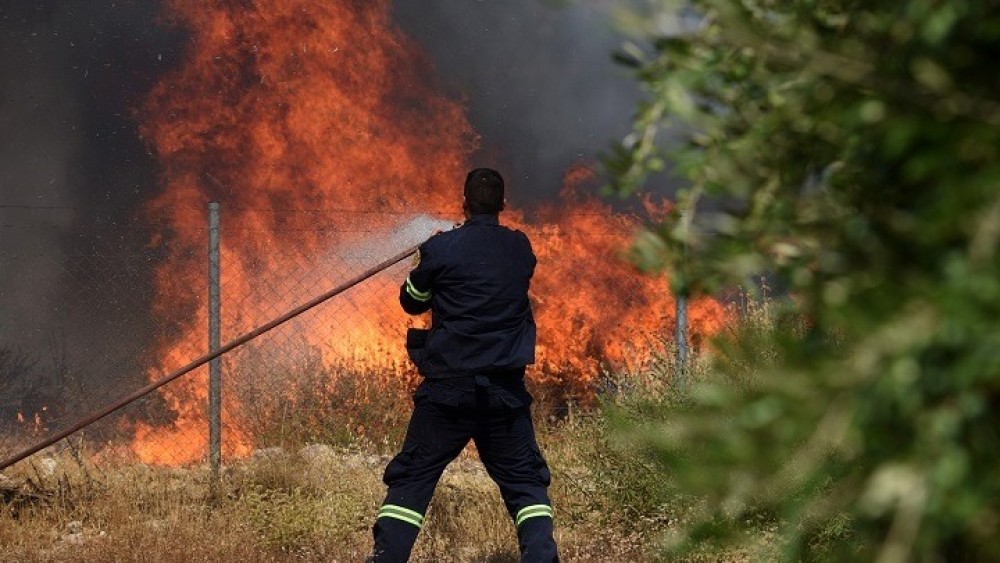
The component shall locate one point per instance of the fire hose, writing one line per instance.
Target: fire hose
(202, 360)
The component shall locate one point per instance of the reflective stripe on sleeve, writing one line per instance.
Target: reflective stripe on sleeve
(416, 293)
(532, 511)
(400, 513)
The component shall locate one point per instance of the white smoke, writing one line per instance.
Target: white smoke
(379, 245)
(419, 229)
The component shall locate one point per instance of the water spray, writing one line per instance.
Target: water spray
(415, 229)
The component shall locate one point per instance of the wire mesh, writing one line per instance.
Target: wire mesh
(89, 325)
(73, 337)
(103, 323)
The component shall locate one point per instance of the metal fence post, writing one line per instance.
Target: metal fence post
(680, 336)
(214, 334)
(681, 309)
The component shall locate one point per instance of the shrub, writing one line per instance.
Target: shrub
(851, 150)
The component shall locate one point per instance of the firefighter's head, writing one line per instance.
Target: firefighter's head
(483, 193)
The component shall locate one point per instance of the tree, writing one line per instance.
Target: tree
(850, 149)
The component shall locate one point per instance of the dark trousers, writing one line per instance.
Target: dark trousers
(437, 433)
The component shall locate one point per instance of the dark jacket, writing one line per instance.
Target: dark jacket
(475, 280)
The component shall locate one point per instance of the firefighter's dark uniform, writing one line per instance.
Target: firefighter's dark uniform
(475, 280)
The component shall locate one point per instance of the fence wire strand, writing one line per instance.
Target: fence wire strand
(84, 326)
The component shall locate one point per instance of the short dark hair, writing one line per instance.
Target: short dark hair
(484, 192)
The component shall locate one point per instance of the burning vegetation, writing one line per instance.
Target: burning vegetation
(320, 128)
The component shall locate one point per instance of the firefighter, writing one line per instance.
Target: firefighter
(474, 279)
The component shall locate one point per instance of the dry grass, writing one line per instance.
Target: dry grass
(302, 502)
(312, 505)
(315, 504)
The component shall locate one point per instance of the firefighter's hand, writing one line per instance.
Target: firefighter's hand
(416, 258)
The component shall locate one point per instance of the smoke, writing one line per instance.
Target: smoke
(72, 70)
(73, 171)
(417, 230)
(538, 78)
(39, 120)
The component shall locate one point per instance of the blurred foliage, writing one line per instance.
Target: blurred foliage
(850, 150)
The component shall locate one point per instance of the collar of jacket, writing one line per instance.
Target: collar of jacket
(483, 219)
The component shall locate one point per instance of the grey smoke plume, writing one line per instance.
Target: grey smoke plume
(540, 83)
(35, 157)
(71, 72)
(72, 173)
(39, 121)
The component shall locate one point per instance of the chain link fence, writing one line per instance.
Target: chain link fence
(86, 326)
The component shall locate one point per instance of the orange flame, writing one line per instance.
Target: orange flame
(38, 424)
(301, 105)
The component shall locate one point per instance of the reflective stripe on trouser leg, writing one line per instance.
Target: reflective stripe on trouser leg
(401, 513)
(532, 511)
